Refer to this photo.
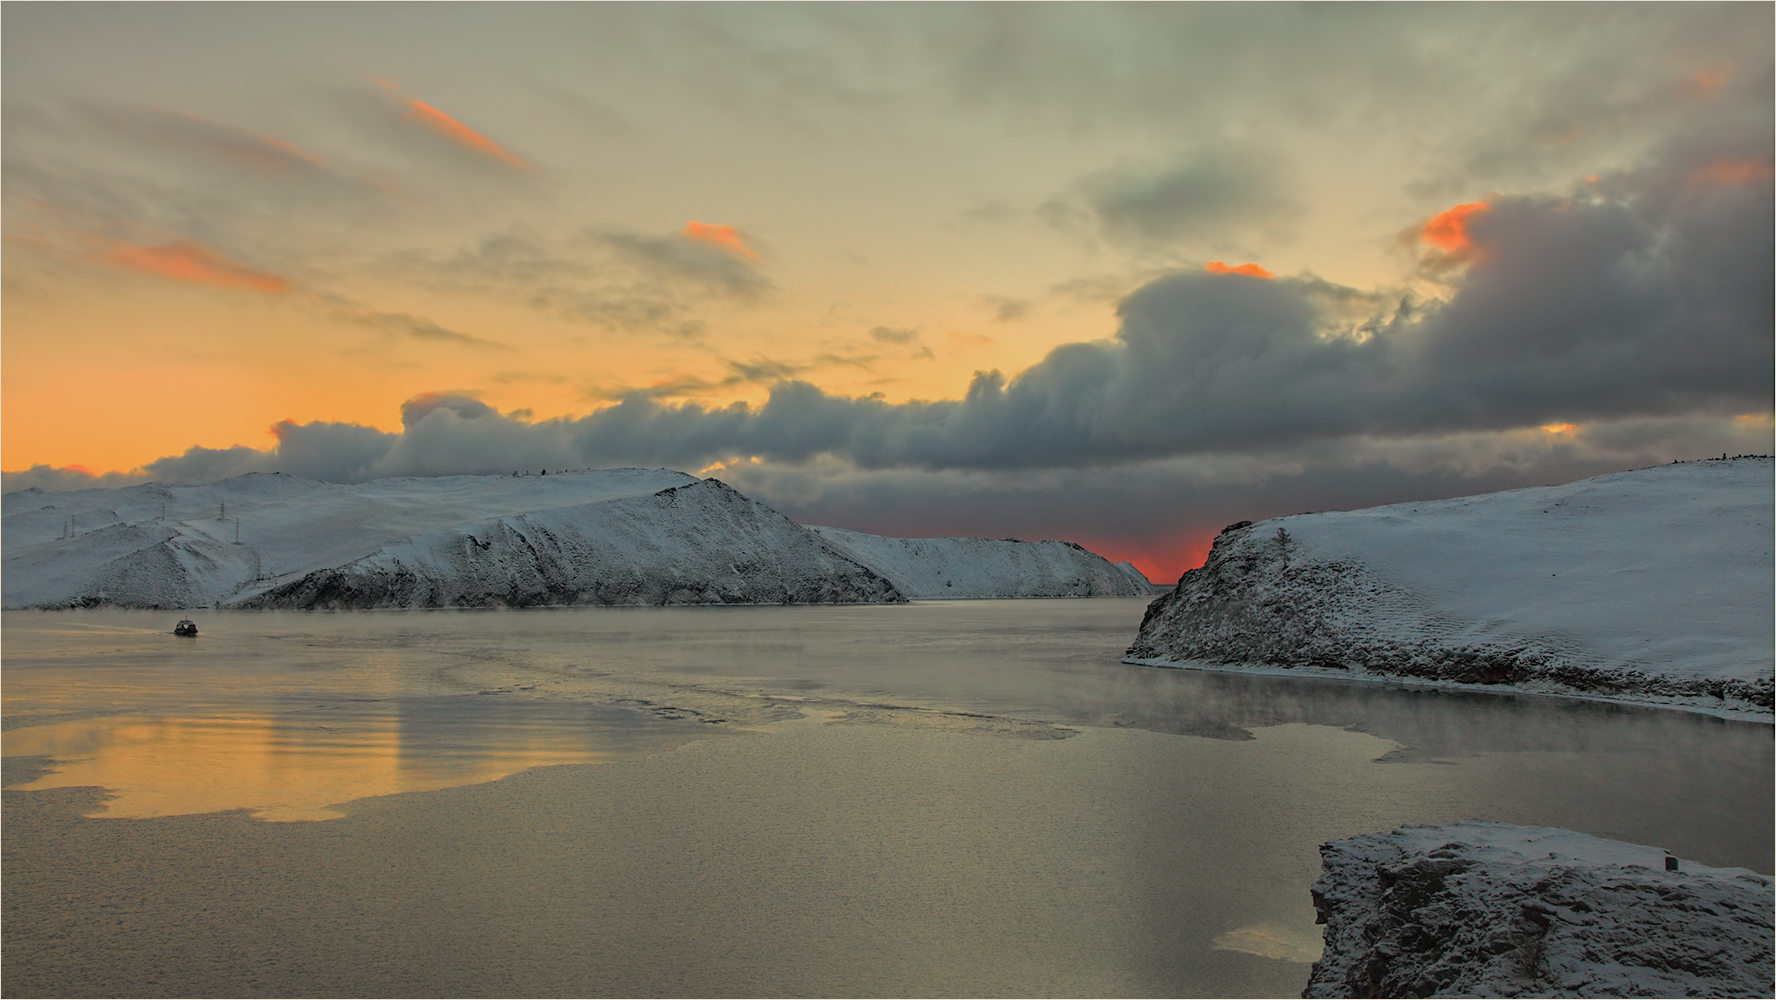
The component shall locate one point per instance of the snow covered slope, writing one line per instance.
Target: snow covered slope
(989, 567)
(1651, 586)
(1490, 909)
(625, 536)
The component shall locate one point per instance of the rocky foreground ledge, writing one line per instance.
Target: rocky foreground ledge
(1490, 909)
(1652, 587)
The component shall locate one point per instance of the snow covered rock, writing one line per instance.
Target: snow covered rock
(1652, 586)
(625, 536)
(989, 567)
(1490, 909)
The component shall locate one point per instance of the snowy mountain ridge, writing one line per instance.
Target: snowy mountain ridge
(1651, 586)
(619, 536)
(989, 567)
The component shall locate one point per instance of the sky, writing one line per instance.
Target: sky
(1119, 274)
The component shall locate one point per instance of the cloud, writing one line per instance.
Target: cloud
(237, 147)
(1202, 196)
(614, 278)
(190, 263)
(759, 371)
(1652, 302)
(1248, 269)
(441, 124)
(726, 237)
(681, 259)
(1007, 310)
(894, 335)
(402, 324)
(1447, 231)
(1728, 171)
(1626, 323)
(426, 403)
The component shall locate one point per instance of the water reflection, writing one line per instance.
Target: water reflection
(301, 763)
(972, 798)
(328, 707)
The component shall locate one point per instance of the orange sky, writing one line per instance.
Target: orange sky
(213, 223)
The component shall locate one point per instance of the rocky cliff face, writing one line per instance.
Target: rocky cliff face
(1651, 586)
(1489, 909)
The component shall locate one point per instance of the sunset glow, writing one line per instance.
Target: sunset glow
(191, 263)
(1248, 269)
(1448, 230)
(1734, 171)
(726, 237)
(1704, 82)
(461, 134)
(903, 269)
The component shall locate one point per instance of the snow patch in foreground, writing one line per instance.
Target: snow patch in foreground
(1490, 909)
(1653, 586)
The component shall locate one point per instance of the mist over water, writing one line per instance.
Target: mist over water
(948, 798)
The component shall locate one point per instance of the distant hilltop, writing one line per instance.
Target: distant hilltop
(1652, 586)
(605, 537)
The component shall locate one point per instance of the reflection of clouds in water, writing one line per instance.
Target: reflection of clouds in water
(1290, 944)
(298, 765)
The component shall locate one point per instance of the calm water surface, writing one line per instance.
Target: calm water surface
(947, 798)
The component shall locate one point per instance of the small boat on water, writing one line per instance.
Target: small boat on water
(185, 627)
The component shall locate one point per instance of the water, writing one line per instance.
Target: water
(963, 798)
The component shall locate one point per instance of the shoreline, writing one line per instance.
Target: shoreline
(1726, 713)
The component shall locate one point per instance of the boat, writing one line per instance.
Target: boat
(185, 627)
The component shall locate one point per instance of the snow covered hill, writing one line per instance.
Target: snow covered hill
(1652, 586)
(615, 536)
(989, 567)
(1490, 909)
(625, 536)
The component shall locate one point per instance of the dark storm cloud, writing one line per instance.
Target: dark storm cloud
(1653, 301)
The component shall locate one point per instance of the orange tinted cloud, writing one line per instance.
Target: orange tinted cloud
(1249, 269)
(238, 146)
(192, 263)
(461, 134)
(1726, 172)
(1448, 231)
(1559, 428)
(725, 237)
(1704, 82)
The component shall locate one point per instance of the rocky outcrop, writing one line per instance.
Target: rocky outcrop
(1490, 909)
